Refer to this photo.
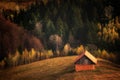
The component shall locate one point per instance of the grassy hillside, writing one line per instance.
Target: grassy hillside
(61, 68)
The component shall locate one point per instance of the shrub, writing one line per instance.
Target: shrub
(49, 54)
(32, 55)
(58, 53)
(96, 53)
(80, 49)
(66, 49)
(43, 55)
(38, 55)
(104, 54)
(25, 57)
(16, 58)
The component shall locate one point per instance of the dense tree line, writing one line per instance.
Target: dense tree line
(57, 22)
(13, 37)
(64, 17)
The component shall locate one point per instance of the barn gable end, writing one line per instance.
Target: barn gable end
(85, 61)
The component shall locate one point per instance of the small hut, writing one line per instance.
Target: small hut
(85, 61)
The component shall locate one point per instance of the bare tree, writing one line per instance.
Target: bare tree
(56, 41)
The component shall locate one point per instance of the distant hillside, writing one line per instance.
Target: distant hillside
(13, 37)
(61, 68)
(78, 19)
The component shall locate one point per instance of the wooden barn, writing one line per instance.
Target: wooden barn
(85, 61)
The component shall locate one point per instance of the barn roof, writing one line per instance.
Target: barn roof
(88, 55)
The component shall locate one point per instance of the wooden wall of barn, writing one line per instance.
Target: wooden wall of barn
(84, 67)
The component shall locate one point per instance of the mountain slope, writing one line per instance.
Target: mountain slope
(61, 68)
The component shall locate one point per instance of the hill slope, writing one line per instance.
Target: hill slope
(61, 68)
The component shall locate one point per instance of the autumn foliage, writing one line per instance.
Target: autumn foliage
(13, 37)
(26, 28)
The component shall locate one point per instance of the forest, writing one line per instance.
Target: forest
(51, 28)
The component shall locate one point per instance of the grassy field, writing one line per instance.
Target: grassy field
(61, 68)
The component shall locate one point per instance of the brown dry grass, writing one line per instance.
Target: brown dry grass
(61, 68)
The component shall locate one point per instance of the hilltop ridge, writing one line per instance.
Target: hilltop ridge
(61, 68)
